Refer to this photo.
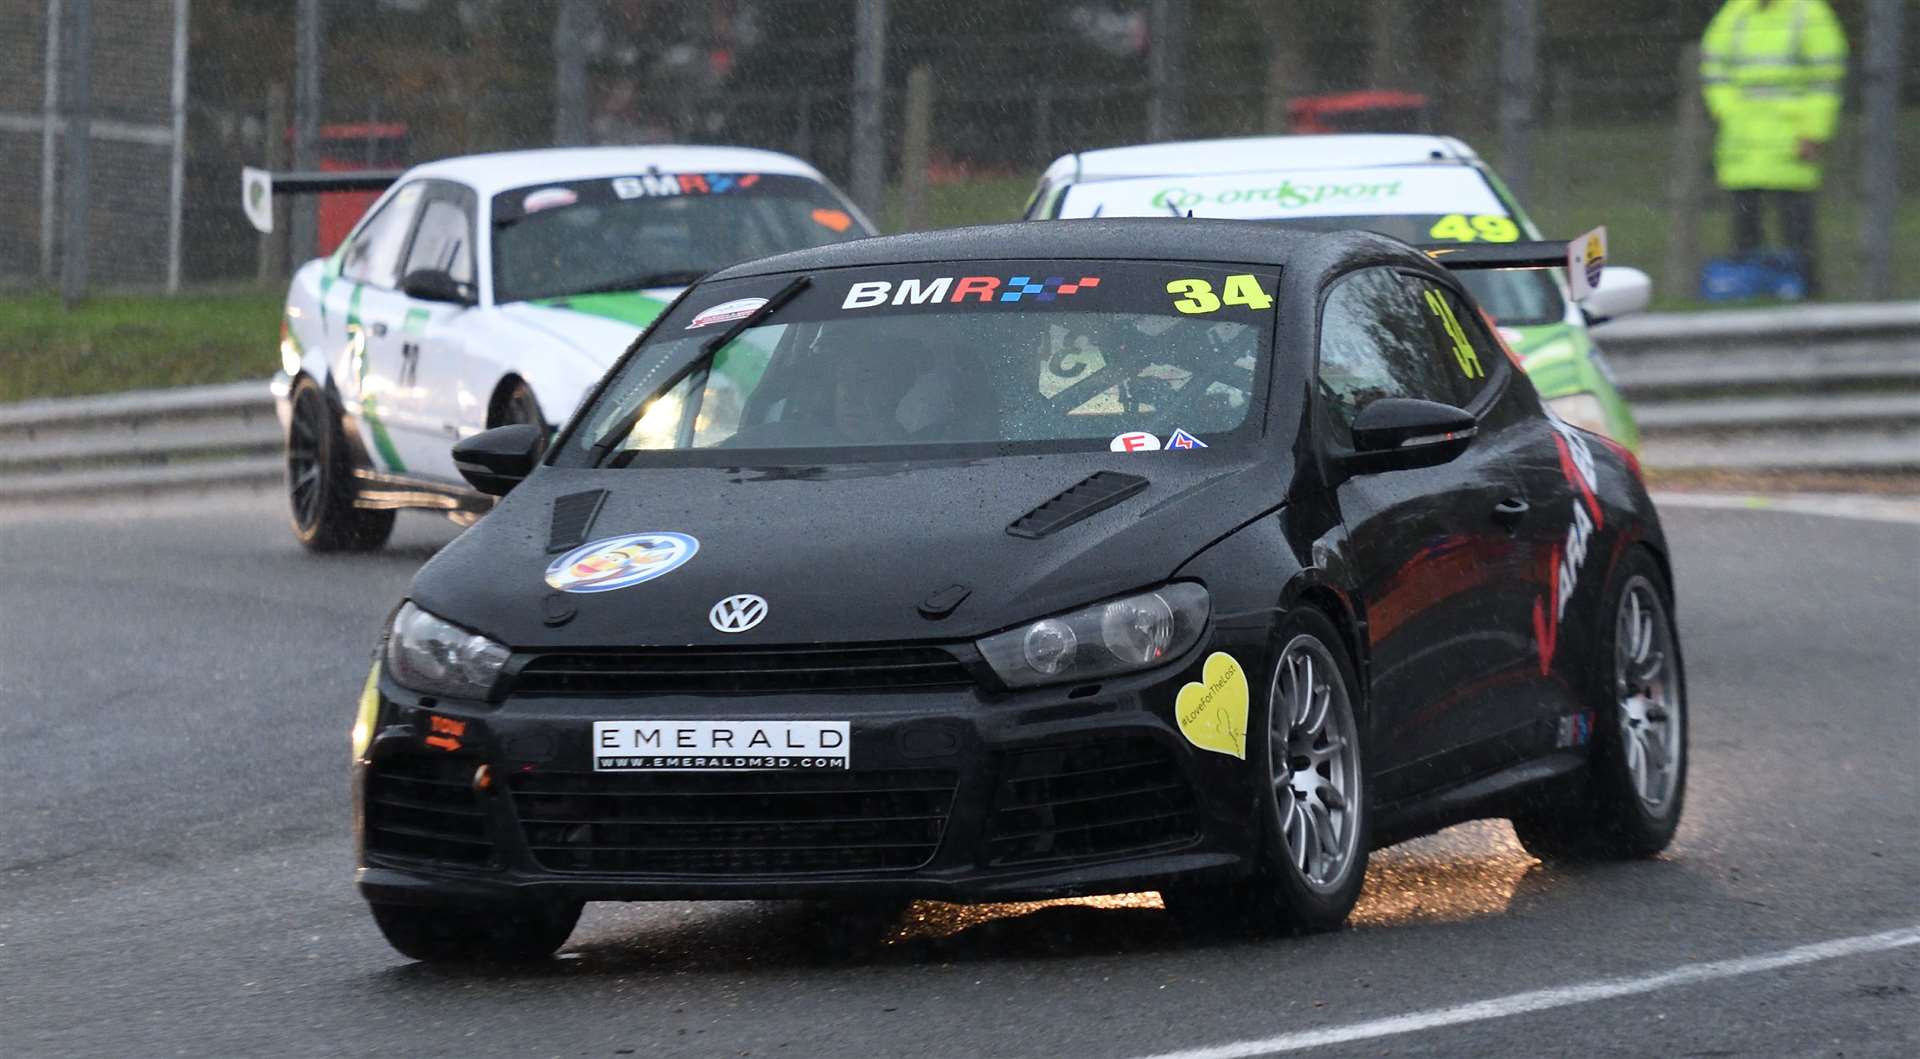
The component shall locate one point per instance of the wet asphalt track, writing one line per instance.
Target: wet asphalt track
(176, 683)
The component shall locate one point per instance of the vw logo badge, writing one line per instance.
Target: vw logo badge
(738, 613)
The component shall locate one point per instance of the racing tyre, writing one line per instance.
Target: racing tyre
(1628, 804)
(1313, 841)
(320, 481)
(507, 932)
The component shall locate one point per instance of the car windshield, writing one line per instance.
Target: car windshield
(654, 229)
(885, 362)
(1415, 204)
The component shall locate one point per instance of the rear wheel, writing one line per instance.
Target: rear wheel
(1628, 804)
(1314, 844)
(320, 481)
(505, 932)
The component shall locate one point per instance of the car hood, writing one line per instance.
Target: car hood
(1556, 356)
(844, 553)
(597, 326)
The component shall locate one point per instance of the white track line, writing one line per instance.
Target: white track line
(1560, 996)
(1859, 506)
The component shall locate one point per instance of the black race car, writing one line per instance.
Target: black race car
(1024, 561)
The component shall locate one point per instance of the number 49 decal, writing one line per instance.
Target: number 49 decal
(1488, 227)
(1240, 289)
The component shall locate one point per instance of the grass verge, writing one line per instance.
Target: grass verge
(134, 342)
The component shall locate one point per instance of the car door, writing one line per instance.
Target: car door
(1426, 556)
(371, 366)
(436, 400)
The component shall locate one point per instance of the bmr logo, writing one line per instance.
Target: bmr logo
(952, 290)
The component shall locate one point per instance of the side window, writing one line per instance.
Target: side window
(1462, 336)
(444, 241)
(374, 254)
(1375, 342)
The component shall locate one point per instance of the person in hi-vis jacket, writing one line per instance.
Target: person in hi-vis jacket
(1772, 71)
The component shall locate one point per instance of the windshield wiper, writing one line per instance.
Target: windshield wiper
(701, 364)
(676, 278)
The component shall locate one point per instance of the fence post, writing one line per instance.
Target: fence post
(1684, 170)
(1880, 161)
(50, 146)
(177, 164)
(1166, 68)
(915, 149)
(1519, 87)
(1043, 125)
(869, 162)
(272, 254)
(79, 152)
(803, 126)
(303, 239)
(570, 27)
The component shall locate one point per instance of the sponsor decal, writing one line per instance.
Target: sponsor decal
(1183, 440)
(548, 199)
(1575, 729)
(1212, 713)
(667, 185)
(737, 309)
(1567, 558)
(1285, 194)
(738, 613)
(445, 732)
(953, 290)
(1135, 441)
(618, 562)
(832, 220)
(1586, 257)
(720, 746)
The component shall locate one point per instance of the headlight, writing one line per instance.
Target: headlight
(1131, 633)
(1582, 410)
(438, 657)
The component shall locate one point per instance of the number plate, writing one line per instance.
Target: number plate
(720, 746)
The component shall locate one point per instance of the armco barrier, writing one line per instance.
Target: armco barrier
(1829, 388)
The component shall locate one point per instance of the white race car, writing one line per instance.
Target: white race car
(496, 289)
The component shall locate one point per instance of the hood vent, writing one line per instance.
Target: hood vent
(1093, 494)
(573, 516)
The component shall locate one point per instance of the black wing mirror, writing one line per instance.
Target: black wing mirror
(1400, 433)
(496, 460)
(435, 285)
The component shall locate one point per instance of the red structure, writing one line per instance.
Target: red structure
(1373, 110)
(350, 146)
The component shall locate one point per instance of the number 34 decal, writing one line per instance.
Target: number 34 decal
(1198, 296)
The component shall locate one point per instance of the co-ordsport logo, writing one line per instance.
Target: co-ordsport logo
(738, 613)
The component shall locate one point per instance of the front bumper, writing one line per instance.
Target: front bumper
(953, 794)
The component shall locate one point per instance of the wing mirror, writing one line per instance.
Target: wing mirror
(496, 460)
(435, 285)
(1400, 433)
(1622, 291)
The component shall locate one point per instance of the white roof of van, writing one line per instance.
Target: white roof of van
(1248, 154)
(489, 174)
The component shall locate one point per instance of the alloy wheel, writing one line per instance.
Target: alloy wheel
(1314, 762)
(1648, 693)
(306, 460)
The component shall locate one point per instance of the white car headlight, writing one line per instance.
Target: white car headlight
(1121, 636)
(1582, 410)
(430, 655)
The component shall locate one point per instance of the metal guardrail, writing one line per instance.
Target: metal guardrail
(1827, 388)
(1813, 388)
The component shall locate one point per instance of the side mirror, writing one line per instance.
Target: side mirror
(1400, 433)
(1622, 291)
(496, 460)
(434, 285)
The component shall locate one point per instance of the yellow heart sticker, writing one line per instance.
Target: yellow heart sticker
(1213, 713)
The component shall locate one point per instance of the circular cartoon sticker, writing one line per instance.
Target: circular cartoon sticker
(616, 562)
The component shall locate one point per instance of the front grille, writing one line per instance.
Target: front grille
(424, 808)
(1095, 799)
(697, 670)
(733, 823)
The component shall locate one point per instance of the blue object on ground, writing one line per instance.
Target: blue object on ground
(1776, 274)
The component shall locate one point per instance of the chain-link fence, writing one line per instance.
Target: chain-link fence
(1591, 121)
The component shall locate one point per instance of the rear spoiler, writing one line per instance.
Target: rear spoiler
(1583, 258)
(259, 186)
